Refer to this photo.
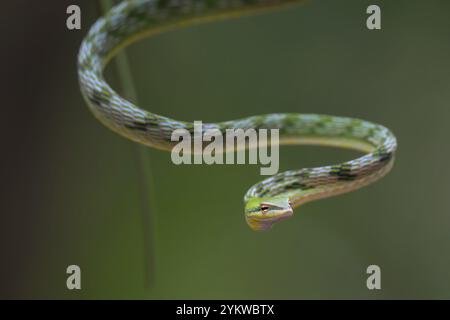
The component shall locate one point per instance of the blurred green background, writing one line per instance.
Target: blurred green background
(73, 193)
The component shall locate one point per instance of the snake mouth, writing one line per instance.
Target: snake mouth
(265, 223)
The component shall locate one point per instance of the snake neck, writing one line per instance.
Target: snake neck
(309, 184)
(320, 190)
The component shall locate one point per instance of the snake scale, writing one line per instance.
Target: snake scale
(274, 198)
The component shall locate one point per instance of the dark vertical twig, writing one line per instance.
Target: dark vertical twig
(142, 159)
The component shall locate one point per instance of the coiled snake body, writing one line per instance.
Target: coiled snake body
(274, 198)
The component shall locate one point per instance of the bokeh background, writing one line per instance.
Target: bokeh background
(73, 191)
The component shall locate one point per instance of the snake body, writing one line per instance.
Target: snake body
(274, 198)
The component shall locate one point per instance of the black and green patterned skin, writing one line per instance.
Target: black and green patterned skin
(274, 198)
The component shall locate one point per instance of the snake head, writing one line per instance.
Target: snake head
(261, 213)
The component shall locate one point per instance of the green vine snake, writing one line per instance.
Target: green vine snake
(274, 198)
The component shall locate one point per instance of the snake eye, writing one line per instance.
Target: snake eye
(264, 208)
